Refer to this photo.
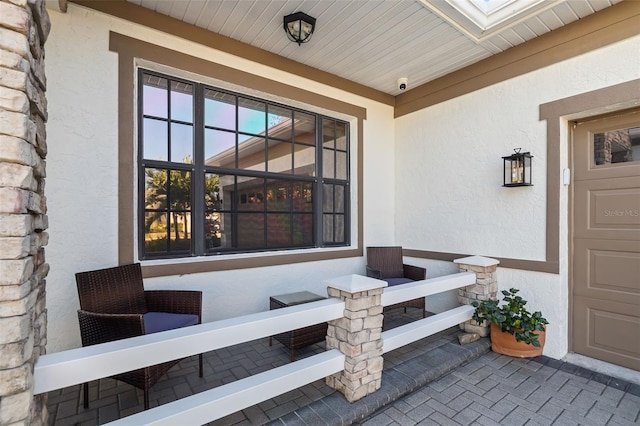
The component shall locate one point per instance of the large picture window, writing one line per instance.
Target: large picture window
(222, 172)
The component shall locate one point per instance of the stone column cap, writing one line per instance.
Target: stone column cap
(355, 283)
(477, 261)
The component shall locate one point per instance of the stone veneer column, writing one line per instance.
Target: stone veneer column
(486, 287)
(24, 27)
(358, 335)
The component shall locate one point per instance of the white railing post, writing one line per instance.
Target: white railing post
(358, 335)
(485, 287)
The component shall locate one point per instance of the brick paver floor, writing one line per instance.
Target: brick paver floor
(499, 390)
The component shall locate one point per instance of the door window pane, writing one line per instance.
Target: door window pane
(617, 146)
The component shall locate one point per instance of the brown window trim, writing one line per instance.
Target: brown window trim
(129, 50)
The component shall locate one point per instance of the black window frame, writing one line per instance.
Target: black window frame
(322, 212)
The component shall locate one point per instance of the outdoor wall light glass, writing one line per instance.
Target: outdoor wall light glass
(517, 169)
(299, 27)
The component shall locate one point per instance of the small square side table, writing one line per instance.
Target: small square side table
(301, 337)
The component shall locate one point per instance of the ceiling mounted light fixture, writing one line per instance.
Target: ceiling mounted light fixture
(299, 27)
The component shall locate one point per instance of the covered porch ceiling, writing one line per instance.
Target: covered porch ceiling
(373, 43)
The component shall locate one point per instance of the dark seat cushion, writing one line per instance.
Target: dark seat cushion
(397, 281)
(163, 321)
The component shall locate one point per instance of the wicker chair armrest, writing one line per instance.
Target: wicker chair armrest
(98, 328)
(415, 273)
(374, 273)
(175, 301)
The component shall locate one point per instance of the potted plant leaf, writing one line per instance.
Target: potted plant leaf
(514, 330)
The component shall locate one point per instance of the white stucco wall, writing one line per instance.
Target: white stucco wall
(448, 182)
(82, 176)
(446, 193)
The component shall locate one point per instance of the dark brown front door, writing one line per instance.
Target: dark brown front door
(606, 240)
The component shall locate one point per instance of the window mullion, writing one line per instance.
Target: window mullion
(319, 186)
(197, 180)
(141, 170)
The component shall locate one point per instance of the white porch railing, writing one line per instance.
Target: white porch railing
(409, 333)
(61, 369)
(68, 368)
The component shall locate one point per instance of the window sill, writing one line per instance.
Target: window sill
(193, 265)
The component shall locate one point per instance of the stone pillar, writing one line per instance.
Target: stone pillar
(358, 335)
(24, 27)
(486, 287)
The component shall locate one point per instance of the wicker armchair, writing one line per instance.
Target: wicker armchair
(114, 305)
(385, 263)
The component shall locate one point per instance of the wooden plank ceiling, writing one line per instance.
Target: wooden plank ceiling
(375, 42)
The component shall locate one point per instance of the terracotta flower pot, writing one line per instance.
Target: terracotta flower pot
(506, 344)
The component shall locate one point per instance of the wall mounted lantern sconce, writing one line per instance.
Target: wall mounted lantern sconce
(299, 27)
(517, 169)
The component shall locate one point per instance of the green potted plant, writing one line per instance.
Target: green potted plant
(514, 330)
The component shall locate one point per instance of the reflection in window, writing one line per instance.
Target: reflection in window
(305, 128)
(617, 146)
(219, 148)
(279, 122)
(235, 173)
(216, 222)
(334, 212)
(167, 131)
(167, 213)
(251, 116)
(219, 110)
